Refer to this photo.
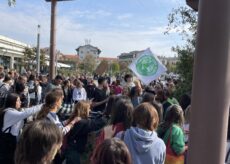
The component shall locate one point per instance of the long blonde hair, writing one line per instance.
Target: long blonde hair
(81, 110)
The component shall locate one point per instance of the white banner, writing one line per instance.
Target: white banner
(147, 67)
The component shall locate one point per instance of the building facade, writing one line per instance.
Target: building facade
(88, 49)
(168, 60)
(11, 52)
(128, 57)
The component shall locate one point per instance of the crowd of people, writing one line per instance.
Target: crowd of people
(80, 120)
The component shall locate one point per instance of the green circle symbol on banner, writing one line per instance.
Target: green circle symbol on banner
(147, 65)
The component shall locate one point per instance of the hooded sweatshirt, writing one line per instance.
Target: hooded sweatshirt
(145, 146)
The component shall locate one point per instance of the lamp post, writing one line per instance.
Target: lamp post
(38, 50)
(53, 37)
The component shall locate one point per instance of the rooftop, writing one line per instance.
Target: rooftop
(88, 45)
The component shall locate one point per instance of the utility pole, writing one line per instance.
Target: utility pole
(38, 50)
(210, 94)
(53, 37)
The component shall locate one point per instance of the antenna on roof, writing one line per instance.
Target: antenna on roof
(87, 41)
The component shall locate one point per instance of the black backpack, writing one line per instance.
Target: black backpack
(8, 143)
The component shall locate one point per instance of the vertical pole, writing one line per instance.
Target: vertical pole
(210, 95)
(38, 51)
(53, 39)
(11, 62)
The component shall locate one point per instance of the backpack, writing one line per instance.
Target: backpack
(8, 143)
(65, 141)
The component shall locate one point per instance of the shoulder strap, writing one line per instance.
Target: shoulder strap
(2, 85)
(169, 137)
(2, 123)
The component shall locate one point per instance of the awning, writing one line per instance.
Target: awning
(60, 65)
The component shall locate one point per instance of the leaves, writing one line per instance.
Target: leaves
(88, 64)
(183, 21)
(11, 2)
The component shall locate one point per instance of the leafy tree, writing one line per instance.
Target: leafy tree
(43, 59)
(29, 59)
(11, 2)
(124, 66)
(115, 67)
(171, 68)
(183, 20)
(88, 64)
(102, 67)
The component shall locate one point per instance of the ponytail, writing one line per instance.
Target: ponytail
(44, 112)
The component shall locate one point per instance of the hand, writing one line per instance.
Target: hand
(76, 119)
(109, 132)
(91, 101)
(186, 148)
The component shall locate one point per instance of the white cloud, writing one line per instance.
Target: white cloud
(88, 14)
(71, 34)
(124, 16)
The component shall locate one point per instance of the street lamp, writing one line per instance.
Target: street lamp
(38, 50)
(53, 37)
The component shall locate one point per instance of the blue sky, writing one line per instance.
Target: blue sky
(115, 26)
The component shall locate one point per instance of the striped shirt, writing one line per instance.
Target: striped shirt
(53, 117)
(4, 90)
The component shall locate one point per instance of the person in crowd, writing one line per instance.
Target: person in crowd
(83, 80)
(160, 96)
(150, 89)
(79, 92)
(169, 100)
(38, 144)
(135, 93)
(90, 87)
(20, 90)
(11, 74)
(108, 78)
(111, 151)
(118, 89)
(141, 139)
(110, 104)
(78, 136)
(11, 123)
(56, 83)
(1, 69)
(128, 85)
(187, 115)
(44, 84)
(172, 129)
(5, 89)
(121, 117)
(185, 101)
(129, 81)
(112, 88)
(100, 95)
(34, 90)
(150, 98)
(2, 76)
(23, 80)
(39, 91)
(53, 102)
(68, 92)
